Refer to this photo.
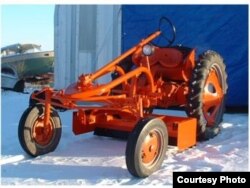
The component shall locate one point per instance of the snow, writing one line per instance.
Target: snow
(92, 160)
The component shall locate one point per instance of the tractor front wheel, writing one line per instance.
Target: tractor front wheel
(146, 147)
(35, 138)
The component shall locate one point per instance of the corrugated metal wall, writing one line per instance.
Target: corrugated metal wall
(86, 38)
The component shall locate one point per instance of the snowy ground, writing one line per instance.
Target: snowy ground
(92, 160)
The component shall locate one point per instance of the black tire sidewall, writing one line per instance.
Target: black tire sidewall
(19, 86)
(25, 131)
(134, 146)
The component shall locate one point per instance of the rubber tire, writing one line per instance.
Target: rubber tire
(194, 108)
(135, 141)
(25, 136)
(19, 86)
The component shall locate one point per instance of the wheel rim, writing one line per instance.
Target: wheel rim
(42, 135)
(212, 96)
(151, 148)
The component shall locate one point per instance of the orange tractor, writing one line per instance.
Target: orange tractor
(145, 77)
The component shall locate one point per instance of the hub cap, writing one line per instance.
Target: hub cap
(212, 96)
(151, 148)
(42, 134)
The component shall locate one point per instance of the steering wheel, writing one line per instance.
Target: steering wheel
(165, 26)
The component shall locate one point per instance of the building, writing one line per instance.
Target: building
(86, 37)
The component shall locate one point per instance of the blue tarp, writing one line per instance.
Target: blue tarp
(222, 28)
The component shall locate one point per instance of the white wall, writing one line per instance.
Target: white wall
(86, 38)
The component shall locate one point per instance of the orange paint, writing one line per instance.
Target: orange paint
(159, 80)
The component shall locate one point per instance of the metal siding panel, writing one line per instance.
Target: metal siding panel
(86, 38)
(87, 27)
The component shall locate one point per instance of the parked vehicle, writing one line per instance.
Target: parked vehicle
(22, 63)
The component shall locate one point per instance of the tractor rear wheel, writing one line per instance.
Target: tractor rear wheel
(207, 91)
(146, 147)
(34, 137)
